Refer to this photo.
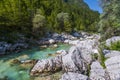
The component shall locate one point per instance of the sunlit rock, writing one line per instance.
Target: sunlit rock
(73, 76)
(73, 62)
(113, 67)
(110, 53)
(97, 72)
(88, 48)
(51, 41)
(112, 40)
(47, 65)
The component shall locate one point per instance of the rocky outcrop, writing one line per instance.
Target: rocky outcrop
(88, 48)
(110, 53)
(113, 67)
(112, 40)
(74, 42)
(7, 47)
(73, 76)
(73, 61)
(48, 65)
(97, 72)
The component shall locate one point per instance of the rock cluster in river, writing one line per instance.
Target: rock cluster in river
(79, 64)
(73, 63)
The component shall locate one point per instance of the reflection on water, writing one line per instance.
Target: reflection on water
(16, 71)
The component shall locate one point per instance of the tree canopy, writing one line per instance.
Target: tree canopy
(23, 16)
(110, 19)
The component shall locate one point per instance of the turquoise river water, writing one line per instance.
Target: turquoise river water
(9, 71)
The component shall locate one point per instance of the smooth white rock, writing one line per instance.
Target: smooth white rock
(97, 72)
(111, 53)
(112, 40)
(113, 67)
(73, 76)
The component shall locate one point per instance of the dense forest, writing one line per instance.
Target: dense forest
(34, 18)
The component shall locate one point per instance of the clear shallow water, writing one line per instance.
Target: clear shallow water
(21, 72)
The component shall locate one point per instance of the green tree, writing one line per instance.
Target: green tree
(39, 22)
(109, 24)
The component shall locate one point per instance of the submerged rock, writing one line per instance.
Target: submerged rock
(15, 61)
(113, 67)
(73, 76)
(27, 64)
(23, 57)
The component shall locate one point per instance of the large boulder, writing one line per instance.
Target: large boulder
(112, 40)
(97, 72)
(51, 41)
(113, 67)
(54, 35)
(74, 42)
(76, 34)
(110, 53)
(88, 48)
(66, 41)
(73, 62)
(73, 76)
(68, 36)
(4, 47)
(47, 65)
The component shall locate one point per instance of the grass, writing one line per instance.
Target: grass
(114, 46)
(101, 56)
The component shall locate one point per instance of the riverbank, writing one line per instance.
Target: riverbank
(51, 39)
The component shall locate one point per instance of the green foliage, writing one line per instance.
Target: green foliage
(101, 56)
(64, 22)
(39, 22)
(110, 19)
(95, 56)
(114, 46)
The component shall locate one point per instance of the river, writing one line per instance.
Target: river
(10, 71)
